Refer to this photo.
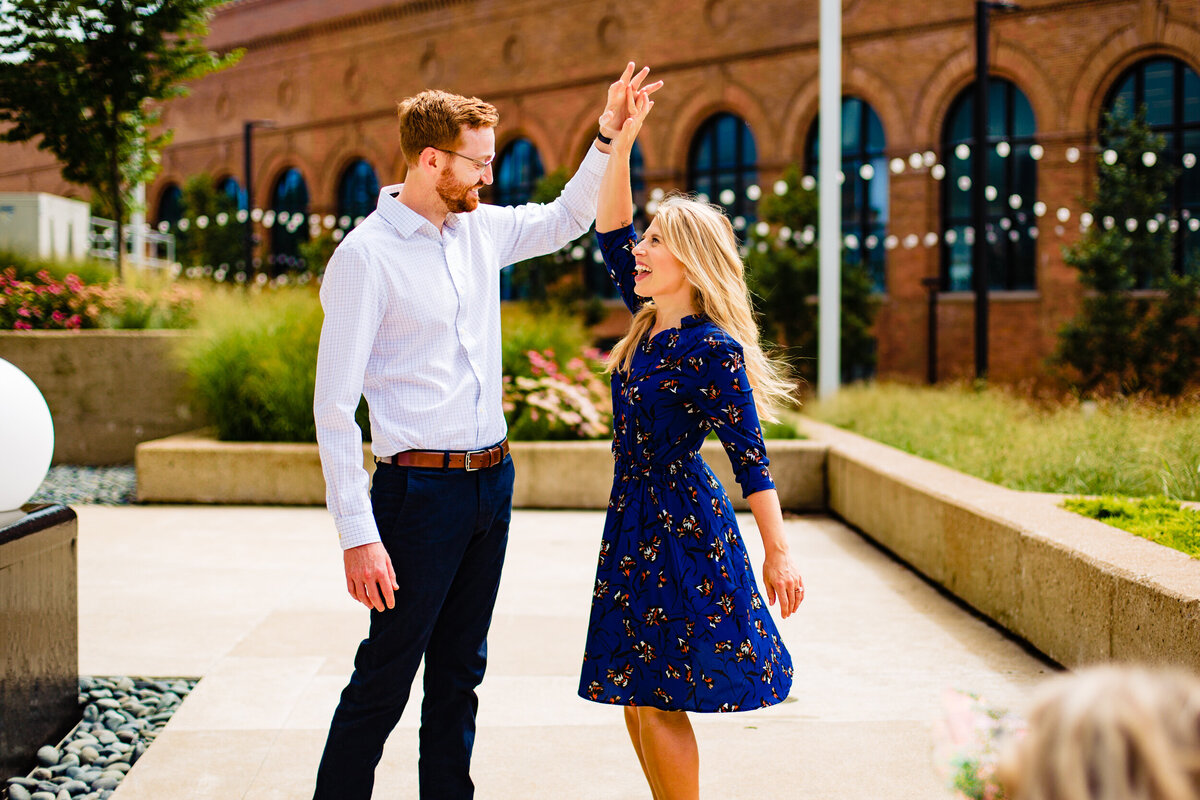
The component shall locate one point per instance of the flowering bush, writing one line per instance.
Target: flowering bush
(46, 303)
(559, 402)
(968, 743)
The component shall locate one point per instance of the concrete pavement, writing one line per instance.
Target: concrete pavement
(253, 601)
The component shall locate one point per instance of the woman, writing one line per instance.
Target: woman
(677, 622)
(1110, 733)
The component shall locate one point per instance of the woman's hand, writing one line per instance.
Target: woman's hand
(638, 105)
(617, 108)
(781, 579)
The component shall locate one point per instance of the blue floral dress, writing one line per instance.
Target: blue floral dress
(677, 621)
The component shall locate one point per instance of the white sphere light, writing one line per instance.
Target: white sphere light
(1036, 151)
(1194, 224)
(990, 193)
(1014, 200)
(739, 223)
(27, 434)
(938, 172)
(1086, 219)
(1152, 225)
(1003, 149)
(577, 253)
(866, 171)
(916, 160)
(329, 220)
(1072, 154)
(963, 152)
(964, 183)
(781, 187)
(911, 241)
(313, 219)
(753, 192)
(851, 242)
(344, 221)
(1189, 160)
(1063, 214)
(896, 165)
(222, 219)
(1110, 157)
(951, 236)
(283, 217)
(1039, 208)
(1149, 158)
(164, 226)
(201, 222)
(1131, 224)
(890, 243)
(183, 224)
(930, 158)
(841, 177)
(762, 229)
(656, 193)
(808, 183)
(727, 197)
(931, 239)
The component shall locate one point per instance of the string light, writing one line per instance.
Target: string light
(1036, 151)
(1149, 159)
(753, 192)
(1063, 214)
(1003, 149)
(938, 172)
(896, 165)
(727, 197)
(1039, 208)
(1072, 154)
(1110, 157)
(930, 158)
(867, 172)
(808, 183)
(781, 188)
(915, 160)
(963, 152)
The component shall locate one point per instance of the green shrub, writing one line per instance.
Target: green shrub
(1155, 518)
(1122, 446)
(253, 365)
(89, 271)
(524, 329)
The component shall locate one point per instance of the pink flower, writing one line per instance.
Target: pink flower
(58, 316)
(24, 311)
(22, 326)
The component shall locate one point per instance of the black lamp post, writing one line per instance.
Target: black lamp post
(248, 165)
(979, 178)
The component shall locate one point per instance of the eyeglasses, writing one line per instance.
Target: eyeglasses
(480, 165)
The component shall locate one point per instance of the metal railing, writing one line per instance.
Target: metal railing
(158, 249)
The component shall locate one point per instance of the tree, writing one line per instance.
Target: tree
(783, 272)
(216, 242)
(88, 78)
(1122, 340)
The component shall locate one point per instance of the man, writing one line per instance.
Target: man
(412, 321)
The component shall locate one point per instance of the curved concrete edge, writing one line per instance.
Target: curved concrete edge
(196, 468)
(1078, 590)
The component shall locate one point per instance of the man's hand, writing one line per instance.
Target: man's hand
(618, 102)
(370, 578)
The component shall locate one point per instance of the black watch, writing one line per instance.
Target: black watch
(603, 139)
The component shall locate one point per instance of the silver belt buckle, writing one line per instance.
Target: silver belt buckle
(467, 460)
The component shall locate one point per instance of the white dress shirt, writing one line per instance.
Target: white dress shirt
(412, 322)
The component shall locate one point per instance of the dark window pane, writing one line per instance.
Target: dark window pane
(358, 191)
(518, 170)
(230, 187)
(851, 124)
(732, 170)
(170, 204)
(1191, 97)
(1160, 92)
(289, 201)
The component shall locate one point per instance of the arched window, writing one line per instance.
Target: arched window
(358, 191)
(722, 163)
(1170, 92)
(865, 190)
(1011, 192)
(230, 187)
(170, 205)
(518, 169)
(595, 276)
(289, 201)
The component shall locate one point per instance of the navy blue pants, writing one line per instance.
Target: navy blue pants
(446, 532)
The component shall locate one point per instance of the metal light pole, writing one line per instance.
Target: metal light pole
(248, 170)
(980, 277)
(829, 310)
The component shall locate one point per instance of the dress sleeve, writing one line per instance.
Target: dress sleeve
(616, 247)
(723, 394)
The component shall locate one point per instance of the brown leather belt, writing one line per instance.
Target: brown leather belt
(469, 460)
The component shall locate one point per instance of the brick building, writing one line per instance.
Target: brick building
(740, 105)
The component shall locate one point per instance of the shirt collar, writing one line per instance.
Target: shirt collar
(691, 320)
(404, 219)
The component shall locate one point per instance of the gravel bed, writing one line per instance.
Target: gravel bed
(69, 485)
(121, 718)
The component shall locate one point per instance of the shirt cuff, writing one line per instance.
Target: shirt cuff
(757, 479)
(594, 162)
(356, 531)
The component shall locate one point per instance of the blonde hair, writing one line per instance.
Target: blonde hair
(1110, 733)
(435, 118)
(701, 237)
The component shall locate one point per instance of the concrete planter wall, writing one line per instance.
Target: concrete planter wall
(1078, 590)
(107, 390)
(195, 468)
(39, 628)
